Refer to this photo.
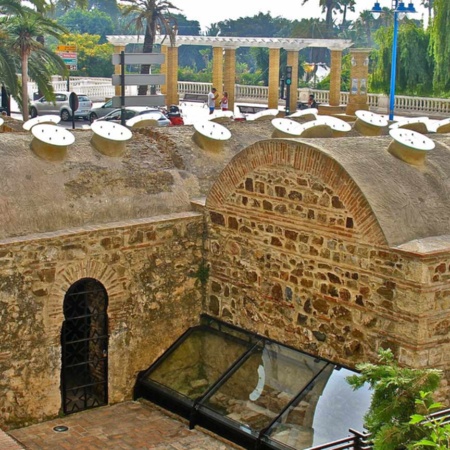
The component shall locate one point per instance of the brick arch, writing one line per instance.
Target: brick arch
(108, 277)
(305, 158)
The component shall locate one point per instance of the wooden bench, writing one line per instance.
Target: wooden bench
(245, 109)
(196, 98)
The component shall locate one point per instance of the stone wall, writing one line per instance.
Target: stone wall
(296, 254)
(146, 267)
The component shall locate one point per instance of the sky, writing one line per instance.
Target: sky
(213, 11)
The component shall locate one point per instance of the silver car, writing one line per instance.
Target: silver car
(132, 111)
(101, 111)
(61, 106)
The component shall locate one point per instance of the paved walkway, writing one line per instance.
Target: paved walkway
(129, 425)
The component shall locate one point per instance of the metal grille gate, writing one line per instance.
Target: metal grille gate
(84, 341)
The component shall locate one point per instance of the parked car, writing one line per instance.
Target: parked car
(101, 111)
(132, 111)
(61, 106)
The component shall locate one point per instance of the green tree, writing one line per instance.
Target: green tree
(345, 75)
(8, 75)
(429, 5)
(22, 33)
(189, 55)
(395, 391)
(436, 430)
(364, 27)
(94, 56)
(346, 5)
(260, 25)
(415, 68)
(440, 45)
(151, 16)
(328, 7)
(93, 22)
(213, 30)
(312, 29)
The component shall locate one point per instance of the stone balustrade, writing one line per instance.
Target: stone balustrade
(99, 89)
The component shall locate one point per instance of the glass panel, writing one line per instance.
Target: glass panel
(198, 362)
(323, 413)
(232, 331)
(265, 383)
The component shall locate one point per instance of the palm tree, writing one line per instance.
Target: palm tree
(365, 25)
(347, 5)
(328, 6)
(429, 5)
(151, 16)
(21, 34)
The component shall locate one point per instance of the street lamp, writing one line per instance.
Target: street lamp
(400, 11)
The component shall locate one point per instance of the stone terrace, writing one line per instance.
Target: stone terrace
(129, 425)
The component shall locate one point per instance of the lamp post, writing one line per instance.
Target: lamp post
(400, 11)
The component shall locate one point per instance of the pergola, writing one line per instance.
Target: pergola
(224, 61)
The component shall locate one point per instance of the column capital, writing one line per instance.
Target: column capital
(169, 44)
(337, 47)
(360, 50)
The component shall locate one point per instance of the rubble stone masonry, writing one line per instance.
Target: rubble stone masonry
(146, 267)
(296, 254)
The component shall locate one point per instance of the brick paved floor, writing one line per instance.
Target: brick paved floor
(129, 425)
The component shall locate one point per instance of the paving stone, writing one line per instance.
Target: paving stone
(124, 426)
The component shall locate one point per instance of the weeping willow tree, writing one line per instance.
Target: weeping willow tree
(414, 65)
(440, 45)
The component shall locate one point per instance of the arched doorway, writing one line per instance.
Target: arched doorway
(84, 345)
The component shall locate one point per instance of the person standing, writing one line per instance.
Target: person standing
(212, 97)
(224, 101)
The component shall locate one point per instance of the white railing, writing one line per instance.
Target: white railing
(421, 104)
(193, 87)
(99, 89)
(251, 93)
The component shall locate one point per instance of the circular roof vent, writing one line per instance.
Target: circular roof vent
(286, 128)
(410, 146)
(210, 135)
(50, 141)
(50, 118)
(370, 124)
(109, 138)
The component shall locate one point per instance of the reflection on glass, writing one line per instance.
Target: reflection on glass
(193, 367)
(264, 384)
(323, 413)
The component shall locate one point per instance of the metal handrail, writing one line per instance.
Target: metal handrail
(361, 441)
(358, 441)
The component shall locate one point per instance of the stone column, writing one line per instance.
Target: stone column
(335, 77)
(217, 75)
(292, 60)
(230, 76)
(358, 80)
(117, 68)
(164, 68)
(274, 76)
(172, 76)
